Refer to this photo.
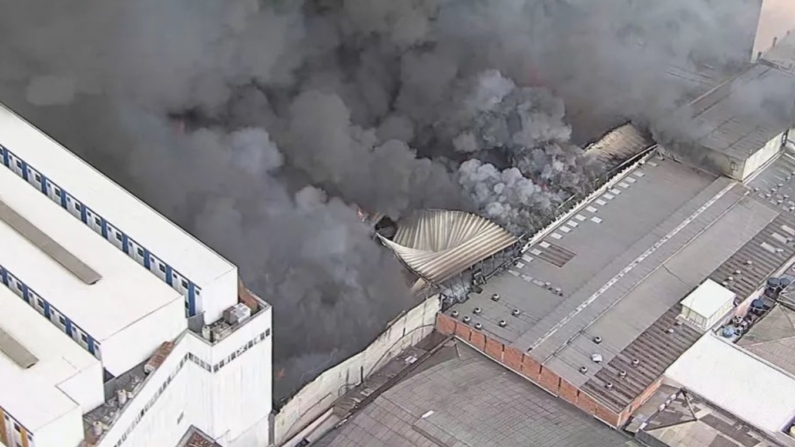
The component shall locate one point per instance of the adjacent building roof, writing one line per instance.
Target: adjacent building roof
(738, 382)
(50, 387)
(439, 244)
(730, 119)
(463, 398)
(123, 210)
(608, 279)
(773, 338)
(39, 263)
(782, 55)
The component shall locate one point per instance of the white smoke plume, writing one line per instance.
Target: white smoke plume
(369, 101)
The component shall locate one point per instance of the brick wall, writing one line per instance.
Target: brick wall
(531, 369)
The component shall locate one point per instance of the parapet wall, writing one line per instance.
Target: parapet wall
(318, 396)
(539, 374)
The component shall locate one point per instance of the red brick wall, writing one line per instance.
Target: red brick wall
(530, 368)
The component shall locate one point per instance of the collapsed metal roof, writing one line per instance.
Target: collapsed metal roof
(439, 244)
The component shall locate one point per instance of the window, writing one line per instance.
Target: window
(77, 206)
(98, 220)
(19, 164)
(16, 426)
(162, 267)
(19, 286)
(118, 237)
(40, 302)
(38, 177)
(184, 284)
(62, 320)
(84, 338)
(181, 415)
(140, 252)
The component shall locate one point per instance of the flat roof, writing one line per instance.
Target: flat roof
(722, 120)
(736, 381)
(31, 395)
(617, 269)
(125, 293)
(459, 397)
(708, 298)
(146, 226)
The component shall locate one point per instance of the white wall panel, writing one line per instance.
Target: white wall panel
(85, 387)
(217, 296)
(66, 431)
(139, 341)
(762, 156)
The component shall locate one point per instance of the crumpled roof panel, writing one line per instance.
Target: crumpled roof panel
(439, 244)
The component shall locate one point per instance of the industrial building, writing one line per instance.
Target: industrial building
(117, 328)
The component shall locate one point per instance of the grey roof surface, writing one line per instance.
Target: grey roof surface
(622, 277)
(468, 400)
(728, 120)
(773, 338)
(688, 421)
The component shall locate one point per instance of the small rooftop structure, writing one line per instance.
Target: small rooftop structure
(620, 144)
(738, 382)
(47, 378)
(706, 305)
(438, 244)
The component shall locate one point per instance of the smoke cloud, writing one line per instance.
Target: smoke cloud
(292, 112)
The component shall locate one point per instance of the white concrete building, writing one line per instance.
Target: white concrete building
(103, 352)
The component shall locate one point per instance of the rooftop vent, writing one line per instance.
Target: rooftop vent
(635, 362)
(597, 339)
(478, 326)
(596, 358)
(749, 262)
(477, 311)
(466, 319)
(670, 330)
(495, 297)
(503, 323)
(583, 369)
(738, 272)
(516, 312)
(609, 385)
(622, 374)
(454, 313)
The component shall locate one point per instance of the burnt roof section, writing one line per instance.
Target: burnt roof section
(655, 349)
(620, 144)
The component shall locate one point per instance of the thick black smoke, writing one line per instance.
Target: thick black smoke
(293, 111)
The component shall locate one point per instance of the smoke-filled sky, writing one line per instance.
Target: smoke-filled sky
(257, 124)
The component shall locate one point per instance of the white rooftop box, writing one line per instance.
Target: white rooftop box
(706, 305)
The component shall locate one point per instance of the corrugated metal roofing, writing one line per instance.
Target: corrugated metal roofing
(439, 244)
(621, 143)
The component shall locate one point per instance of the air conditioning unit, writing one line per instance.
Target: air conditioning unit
(237, 314)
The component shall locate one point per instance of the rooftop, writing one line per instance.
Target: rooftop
(738, 382)
(689, 421)
(728, 118)
(773, 338)
(620, 144)
(40, 393)
(123, 210)
(782, 56)
(125, 292)
(459, 397)
(608, 280)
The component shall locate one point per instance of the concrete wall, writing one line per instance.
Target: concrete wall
(317, 397)
(762, 156)
(222, 389)
(537, 373)
(138, 341)
(217, 296)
